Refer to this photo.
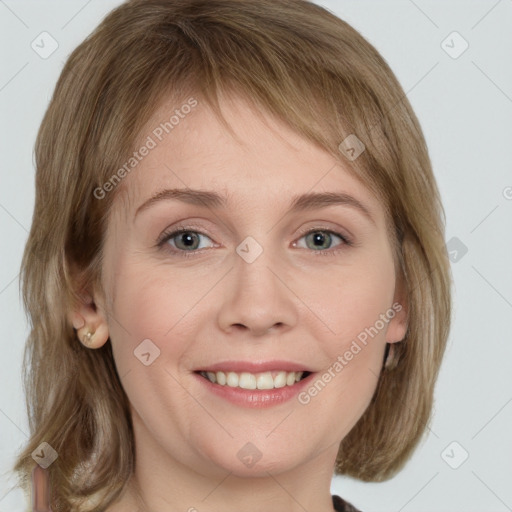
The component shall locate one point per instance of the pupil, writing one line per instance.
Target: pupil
(319, 237)
(188, 239)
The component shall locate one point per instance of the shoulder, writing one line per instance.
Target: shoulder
(341, 505)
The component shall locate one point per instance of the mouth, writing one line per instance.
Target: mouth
(246, 380)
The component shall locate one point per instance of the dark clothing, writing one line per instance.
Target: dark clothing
(341, 505)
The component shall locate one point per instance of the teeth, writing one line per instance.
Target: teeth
(247, 380)
(265, 381)
(232, 380)
(280, 380)
(290, 379)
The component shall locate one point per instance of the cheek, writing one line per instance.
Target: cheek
(155, 302)
(353, 311)
(351, 300)
(148, 306)
(151, 332)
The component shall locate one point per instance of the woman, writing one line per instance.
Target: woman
(241, 372)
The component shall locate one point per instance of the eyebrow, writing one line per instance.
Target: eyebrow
(300, 203)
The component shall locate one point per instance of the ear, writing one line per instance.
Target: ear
(89, 320)
(397, 327)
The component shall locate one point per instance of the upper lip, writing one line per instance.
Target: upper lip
(254, 366)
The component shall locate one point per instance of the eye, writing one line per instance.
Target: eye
(320, 240)
(186, 241)
(182, 240)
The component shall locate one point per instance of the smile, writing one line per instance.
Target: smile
(246, 380)
(242, 388)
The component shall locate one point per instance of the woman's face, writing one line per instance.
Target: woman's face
(253, 281)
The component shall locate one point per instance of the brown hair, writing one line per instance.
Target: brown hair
(293, 59)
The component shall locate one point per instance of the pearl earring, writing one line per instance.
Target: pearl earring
(87, 339)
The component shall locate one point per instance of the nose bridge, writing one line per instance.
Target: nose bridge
(257, 297)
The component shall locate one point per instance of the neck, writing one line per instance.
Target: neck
(230, 493)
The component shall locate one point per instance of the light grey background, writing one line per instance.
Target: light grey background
(465, 107)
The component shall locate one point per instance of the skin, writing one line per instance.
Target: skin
(291, 303)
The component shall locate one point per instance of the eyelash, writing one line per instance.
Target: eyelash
(168, 235)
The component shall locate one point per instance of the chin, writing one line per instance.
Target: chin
(251, 461)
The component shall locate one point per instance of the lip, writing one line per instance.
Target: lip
(255, 366)
(255, 398)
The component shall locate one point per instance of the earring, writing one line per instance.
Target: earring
(392, 356)
(87, 338)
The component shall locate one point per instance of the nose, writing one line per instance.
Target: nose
(256, 298)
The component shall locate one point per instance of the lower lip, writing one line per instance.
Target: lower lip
(256, 398)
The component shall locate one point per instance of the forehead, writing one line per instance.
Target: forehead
(266, 165)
